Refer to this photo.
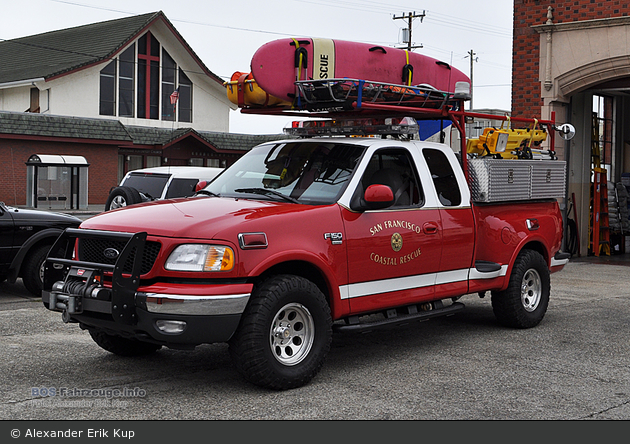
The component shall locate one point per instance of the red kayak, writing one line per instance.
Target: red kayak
(277, 65)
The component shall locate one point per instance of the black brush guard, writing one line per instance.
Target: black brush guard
(73, 286)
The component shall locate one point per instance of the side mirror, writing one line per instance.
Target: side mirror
(567, 131)
(200, 185)
(378, 196)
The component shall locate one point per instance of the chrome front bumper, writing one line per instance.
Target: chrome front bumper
(195, 305)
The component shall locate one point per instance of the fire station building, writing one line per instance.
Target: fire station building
(572, 59)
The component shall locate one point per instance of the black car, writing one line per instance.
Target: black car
(25, 238)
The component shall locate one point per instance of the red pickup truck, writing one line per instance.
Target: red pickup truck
(301, 237)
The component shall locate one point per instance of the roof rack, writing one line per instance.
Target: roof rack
(347, 94)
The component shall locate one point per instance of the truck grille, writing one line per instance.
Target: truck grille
(92, 250)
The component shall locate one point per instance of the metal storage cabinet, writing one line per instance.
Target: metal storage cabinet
(548, 179)
(500, 180)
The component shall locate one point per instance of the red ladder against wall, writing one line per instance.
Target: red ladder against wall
(600, 234)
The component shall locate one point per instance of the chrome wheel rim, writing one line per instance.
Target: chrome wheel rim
(118, 202)
(291, 334)
(531, 290)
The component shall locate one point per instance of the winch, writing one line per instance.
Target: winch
(79, 283)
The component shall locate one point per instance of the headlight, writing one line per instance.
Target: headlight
(200, 257)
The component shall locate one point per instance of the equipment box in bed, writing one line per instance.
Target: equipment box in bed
(497, 180)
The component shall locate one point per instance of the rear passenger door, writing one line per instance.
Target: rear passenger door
(455, 210)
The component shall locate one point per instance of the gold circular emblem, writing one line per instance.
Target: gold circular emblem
(396, 242)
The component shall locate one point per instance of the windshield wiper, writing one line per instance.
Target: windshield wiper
(207, 193)
(267, 192)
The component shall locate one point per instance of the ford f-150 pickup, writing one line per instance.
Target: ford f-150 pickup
(304, 236)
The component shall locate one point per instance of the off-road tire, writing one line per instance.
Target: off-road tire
(32, 269)
(524, 303)
(121, 197)
(123, 346)
(284, 334)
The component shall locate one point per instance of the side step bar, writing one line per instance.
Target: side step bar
(393, 318)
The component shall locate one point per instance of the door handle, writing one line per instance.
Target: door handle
(430, 228)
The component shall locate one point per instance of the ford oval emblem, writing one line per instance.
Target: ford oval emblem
(111, 253)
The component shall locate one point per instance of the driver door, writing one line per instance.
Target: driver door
(394, 253)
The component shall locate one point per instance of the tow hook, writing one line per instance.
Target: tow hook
(65, 317)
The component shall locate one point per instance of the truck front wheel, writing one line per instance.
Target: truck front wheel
(284, 334)
(524, 303)
(123, 346)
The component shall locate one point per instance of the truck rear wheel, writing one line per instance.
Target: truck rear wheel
(524, 303)
(284, 334)
(123, 346)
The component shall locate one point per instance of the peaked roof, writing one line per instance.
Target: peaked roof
(58, 52)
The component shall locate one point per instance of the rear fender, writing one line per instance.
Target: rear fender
(532, 243)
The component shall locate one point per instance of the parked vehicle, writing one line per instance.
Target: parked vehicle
(158, 183)
(298, 235)
(25, 238)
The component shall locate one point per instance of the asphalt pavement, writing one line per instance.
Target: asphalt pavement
(575, 365)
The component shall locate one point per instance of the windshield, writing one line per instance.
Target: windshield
(309, 172)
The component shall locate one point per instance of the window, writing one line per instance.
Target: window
(148, 77)
(134, 162)
(185, 97)
(602, 132)
(168, 86)
(181, 188)
(154, 161)
(394, 168)
(443, 177)
(126, 87)
(108, 90)
(140, 91)
(34, 100)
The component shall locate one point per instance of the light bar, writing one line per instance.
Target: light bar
(353, 127)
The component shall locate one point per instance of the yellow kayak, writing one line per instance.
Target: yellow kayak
(242, 90)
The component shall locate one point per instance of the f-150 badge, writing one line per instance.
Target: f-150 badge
(335, 238)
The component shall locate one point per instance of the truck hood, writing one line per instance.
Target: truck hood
(195, 218)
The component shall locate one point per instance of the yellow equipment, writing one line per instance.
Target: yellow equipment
(508, 143)
(242, 90)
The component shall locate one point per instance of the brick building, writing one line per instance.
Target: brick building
(572, 58)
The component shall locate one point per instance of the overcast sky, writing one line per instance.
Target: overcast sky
(225, 35)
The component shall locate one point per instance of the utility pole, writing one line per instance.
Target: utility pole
(472, 55)
(410, 18)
